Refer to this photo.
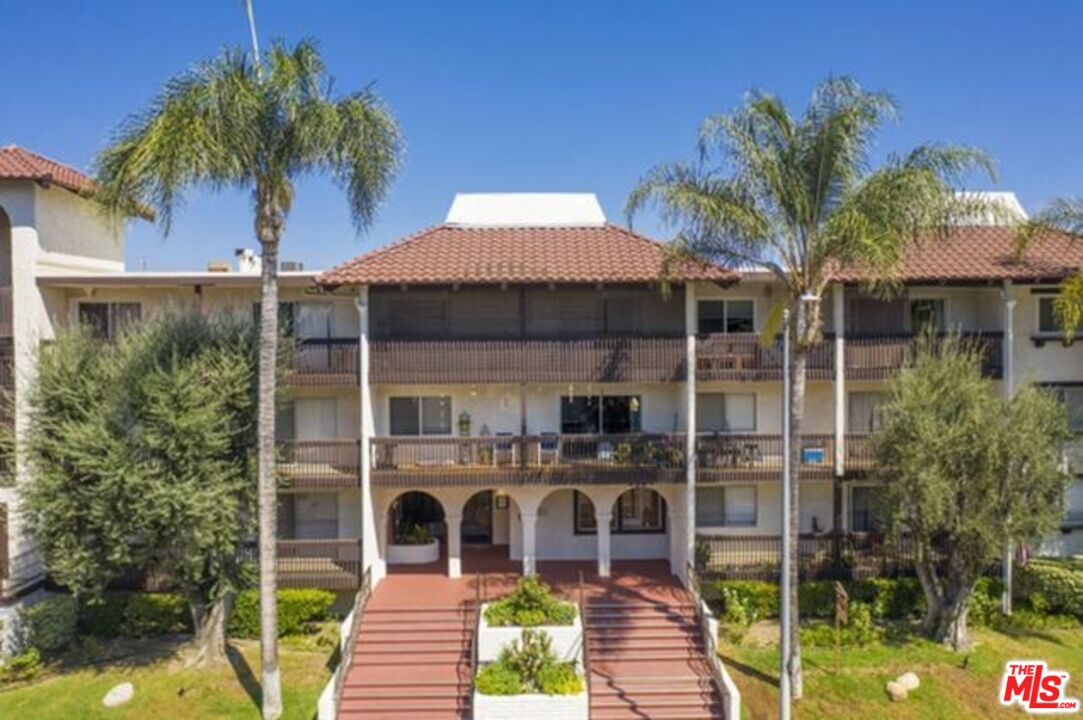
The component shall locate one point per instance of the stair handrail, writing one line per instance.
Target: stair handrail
(584, 643)
(363, 594)
(708, 624)
(479, 598)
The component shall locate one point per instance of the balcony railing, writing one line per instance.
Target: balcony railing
(860, 452)
(324, 361)
(872, 357)
(759, 457)
(844, 556)
(7, 328)
(616, 359)
(528, 459)
(328, 564)
(745, 356)
(320, 464)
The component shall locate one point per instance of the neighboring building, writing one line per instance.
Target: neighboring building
(516, 381)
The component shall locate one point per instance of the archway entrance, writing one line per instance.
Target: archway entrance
(488, 521)
(478, 519)
(416, 532)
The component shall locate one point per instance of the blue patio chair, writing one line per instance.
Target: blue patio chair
(549, 448)
(505, 449)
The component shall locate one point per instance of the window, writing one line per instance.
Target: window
(623, 316)
(726, 412)
(312, 320)
(637, 512)
(726, 316)
(315, 418)
(1047, 316)
(107, 320)
(429, 415)
(927, 315)
(864, 414)
(726, 506)
(1072, 397)
(862, 508)
(592, 415)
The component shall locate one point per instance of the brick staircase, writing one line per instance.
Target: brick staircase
(647, 661)
(411, 664)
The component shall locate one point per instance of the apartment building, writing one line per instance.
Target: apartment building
(516, 383)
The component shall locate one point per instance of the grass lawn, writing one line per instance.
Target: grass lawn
(953, 685)
(165, 689)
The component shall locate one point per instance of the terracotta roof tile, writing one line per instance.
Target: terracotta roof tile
(18, 163)
(983, 253)
(447, 254)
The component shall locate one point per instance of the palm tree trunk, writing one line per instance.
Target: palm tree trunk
(797, 415)
(268, 229)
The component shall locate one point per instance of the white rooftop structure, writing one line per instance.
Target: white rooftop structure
(1009, 209)
(525, 210)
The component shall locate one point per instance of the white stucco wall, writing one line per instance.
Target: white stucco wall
(816, 501)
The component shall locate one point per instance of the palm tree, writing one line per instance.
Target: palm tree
(233, 122)
(1064, 215)
(797, 196)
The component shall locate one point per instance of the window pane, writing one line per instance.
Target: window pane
(579, 415)
(927, 315)
(404, 416)
(864, 413)
(712, 316)
(740, 506)
(709, 506)
(1047, 319)
(640, 510)
(740, 411)
(710, 412)
(620, 414)
(436, 415)
(125, 315)
(585, 520)
(313, 320)
(96, 317)
(862, 506)
(739, 316)
(1072, 397)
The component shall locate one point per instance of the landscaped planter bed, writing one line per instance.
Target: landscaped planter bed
(531, 707)
(413, 554)
(567, 639)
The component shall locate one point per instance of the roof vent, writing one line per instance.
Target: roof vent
(218, 266)
(291, 266)
(247, 260)
(525, 210)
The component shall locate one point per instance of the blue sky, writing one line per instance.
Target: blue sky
(552, 96)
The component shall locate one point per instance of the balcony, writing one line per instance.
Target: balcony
(326, 564)
(874, 357)
(329, 362)
(526, 460)
(320, 464)
(617, 359)
(759, 457)
(745, 357)
(860, 453)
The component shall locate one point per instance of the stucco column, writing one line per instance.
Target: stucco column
(373, 529)
(691, 323)
(1008, 363)
(454, 545)
(530, 523)
(838, 319)
(603, 515)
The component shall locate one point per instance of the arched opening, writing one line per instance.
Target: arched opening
(416, 531)
(640, 525)
(487, 531)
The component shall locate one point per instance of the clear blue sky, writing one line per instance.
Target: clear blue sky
(554, 95)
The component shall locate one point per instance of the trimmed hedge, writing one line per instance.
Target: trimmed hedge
(297, 608)
(1051, 586)
(50, 624)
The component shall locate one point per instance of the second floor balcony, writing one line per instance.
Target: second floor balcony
(333, 464)
(324, 362)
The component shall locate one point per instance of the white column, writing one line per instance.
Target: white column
(454, 545)
(691, 323)
(373, 529)
(1009, 390)
(603, 515)
(530, 522)
(838, 317)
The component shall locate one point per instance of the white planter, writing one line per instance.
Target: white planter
(413, 554)
(567, 639)
(531, 707)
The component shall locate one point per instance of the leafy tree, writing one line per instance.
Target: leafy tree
(255, 125)
(963, 469)
(797, 196)
(143, 460)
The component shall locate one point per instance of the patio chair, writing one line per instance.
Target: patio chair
(605, 451)
(549, 449)
(505, 449)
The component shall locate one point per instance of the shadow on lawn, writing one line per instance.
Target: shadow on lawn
(245, 676)
(746, 669)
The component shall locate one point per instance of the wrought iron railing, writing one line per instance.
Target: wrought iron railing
(324, 361)
(319, 464)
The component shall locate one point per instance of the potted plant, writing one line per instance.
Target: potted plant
(529, 680)
(413, 544)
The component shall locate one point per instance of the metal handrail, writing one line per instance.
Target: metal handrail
(585, 643)
(363, 594)
(479, 596)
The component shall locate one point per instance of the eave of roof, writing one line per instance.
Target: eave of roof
(173, 279)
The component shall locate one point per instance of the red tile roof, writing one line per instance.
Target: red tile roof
(18, 163)
(982, 253)
(448, 254)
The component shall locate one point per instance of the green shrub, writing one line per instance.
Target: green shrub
(529, 605)
(858, 630)
(985, 603)
(22, 667)
(560, 679)
(297, 610)
(1053, 586)
(498, 679)
(50, 624)
(758, 598)
(155, 614)
(104, 617)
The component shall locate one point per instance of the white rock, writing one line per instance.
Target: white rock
(909, 680)
(896, 691)
(119, 695)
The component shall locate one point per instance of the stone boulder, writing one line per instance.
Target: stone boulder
(119, 695)
(909, 680)
(896, 691)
